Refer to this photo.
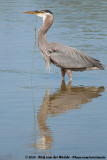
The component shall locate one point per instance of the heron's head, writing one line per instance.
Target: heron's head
(41, 13)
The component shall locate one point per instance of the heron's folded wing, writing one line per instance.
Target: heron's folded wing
(71, 58)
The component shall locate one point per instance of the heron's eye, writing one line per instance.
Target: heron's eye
(42, 12)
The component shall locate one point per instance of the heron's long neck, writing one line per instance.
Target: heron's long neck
(42, 33)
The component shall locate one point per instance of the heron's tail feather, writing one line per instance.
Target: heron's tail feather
(99, 65)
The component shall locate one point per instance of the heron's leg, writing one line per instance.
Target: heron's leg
(63, 73)
(69, 85)
(69, 74)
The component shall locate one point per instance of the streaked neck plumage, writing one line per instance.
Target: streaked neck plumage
(42, 41)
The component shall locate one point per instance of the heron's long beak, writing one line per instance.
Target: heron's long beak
(32, 12)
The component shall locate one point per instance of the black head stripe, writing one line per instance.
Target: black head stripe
(47, 11)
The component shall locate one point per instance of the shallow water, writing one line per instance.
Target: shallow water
(40, 115)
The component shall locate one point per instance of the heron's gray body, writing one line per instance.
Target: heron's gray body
(71, 58)
(67, 58)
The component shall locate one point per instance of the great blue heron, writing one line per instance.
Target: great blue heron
(67, 58)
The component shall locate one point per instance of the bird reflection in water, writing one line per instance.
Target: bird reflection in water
(65, 99)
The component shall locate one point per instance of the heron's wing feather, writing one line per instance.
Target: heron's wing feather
(71, 58)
